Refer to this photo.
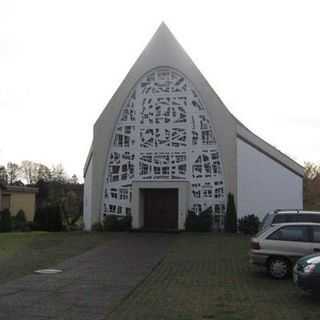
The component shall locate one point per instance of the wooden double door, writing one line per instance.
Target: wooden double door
(161, 209)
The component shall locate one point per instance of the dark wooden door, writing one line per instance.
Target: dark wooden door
(161, 209)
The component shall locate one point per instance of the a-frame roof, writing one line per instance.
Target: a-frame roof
(164, 50)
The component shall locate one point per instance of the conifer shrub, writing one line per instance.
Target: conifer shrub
(201, 222)
(249, 224)
(230, 224)
(54, 219)
(19, 221)
(48, 218)
(40, 220)
(5, 221)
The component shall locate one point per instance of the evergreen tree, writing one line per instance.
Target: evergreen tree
(231, 215)
(5, 221)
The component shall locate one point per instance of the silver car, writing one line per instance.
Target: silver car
(280, 246)
(289, 215)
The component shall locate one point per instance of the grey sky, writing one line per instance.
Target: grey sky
(61, 61)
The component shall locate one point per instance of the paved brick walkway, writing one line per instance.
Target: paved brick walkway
(91, 284)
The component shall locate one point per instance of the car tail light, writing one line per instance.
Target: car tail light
(255, 245)
(309, 268)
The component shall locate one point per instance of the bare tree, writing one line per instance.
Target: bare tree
(44, 173)
(13, 171)
(29, 171)
(71, 208)
(32, 172)
(3, 175)
(58, 174)
(311, 186)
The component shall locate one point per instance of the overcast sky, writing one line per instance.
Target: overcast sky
(61, 61)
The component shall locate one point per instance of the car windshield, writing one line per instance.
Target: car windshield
(261, 232)
(285, 217)
(266, 222)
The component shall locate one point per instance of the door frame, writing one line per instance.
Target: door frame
(138, 186)
(154, 201)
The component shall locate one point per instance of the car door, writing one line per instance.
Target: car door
(315, 239)
(293, 241)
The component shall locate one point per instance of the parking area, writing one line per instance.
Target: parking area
(207, 276)
(184, 276)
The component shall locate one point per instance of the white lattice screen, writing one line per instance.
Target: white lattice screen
(164, 133)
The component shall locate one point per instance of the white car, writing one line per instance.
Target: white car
(280, 246)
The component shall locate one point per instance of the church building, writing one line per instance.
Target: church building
(166, 144)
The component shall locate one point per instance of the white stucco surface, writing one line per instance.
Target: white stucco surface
(257, 181)
(263, 184)
(87, 198)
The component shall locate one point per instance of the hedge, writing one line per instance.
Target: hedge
(113, 222)
(5, 221)
(201, 222)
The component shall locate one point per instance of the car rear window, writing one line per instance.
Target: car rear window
(284, 217)
(290, 233)
(309, 217)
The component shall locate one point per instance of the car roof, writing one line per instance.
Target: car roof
(294, 212)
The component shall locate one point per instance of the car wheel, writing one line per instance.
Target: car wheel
(278, 268)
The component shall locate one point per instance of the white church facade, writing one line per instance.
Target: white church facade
(165, 144)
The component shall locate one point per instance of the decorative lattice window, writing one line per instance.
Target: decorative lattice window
(164, 132)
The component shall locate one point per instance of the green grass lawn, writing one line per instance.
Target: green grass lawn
(207, 276)
(23, 252)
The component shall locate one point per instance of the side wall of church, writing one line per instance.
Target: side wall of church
(264, 184)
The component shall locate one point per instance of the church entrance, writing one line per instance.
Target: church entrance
(160, 209)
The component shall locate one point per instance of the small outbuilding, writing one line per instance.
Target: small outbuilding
(16, 198)
(166, 144)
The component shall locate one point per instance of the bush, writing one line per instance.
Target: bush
(249, 224)
(31, 226)
(5, 221)
(54, 219)
(230, 224)
(98, 227)
(40, 220)
(114, 222)
(201, 222)
(48, 219)
(19, 222)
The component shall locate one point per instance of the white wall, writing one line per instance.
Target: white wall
(264, 184)
(87, 198)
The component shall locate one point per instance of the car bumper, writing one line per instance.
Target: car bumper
(258, 259)
(307, 282)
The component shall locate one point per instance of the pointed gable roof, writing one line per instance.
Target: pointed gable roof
(164, 50)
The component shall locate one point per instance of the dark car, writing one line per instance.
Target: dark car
(306, 273)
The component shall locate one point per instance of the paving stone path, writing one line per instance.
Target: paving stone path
(91, 284)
